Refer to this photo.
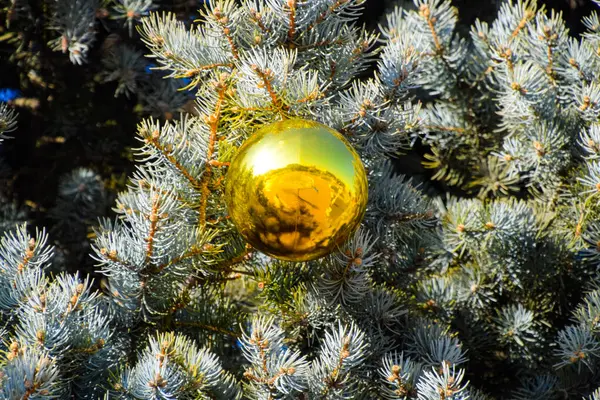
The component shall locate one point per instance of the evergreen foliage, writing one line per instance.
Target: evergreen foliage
(488, 288)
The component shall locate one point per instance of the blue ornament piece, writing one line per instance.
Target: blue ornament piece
(8, 94)
(148, 68)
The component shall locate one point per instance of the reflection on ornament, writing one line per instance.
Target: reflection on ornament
(296, 189)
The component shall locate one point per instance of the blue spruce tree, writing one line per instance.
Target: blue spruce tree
(486, 289)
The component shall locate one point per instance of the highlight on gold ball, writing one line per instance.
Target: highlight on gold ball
(296, 189)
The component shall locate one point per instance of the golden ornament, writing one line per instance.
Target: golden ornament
(296, 189)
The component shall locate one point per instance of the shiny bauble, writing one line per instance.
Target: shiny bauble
(296, 189)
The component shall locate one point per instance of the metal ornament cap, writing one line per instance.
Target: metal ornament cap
(296, 189)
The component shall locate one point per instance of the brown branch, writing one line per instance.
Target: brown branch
(576, 65)
(343, 355)
(74, 299)
(145, 184)
(397, 82)
(579, 225)
(217, 163)
(315, 94)
(234, 50)
(332, 65)
(528, 15)
(256, 17)
(325, 13)
(262, 344)
(266, 76)
(194, 251)
(112, 256)
(225, 266)
(292, 31)
(153, 217)
(425, 12)
(211, 328)
(506, 53)
(228, 264)
(28, 255)
(220, 218)
(322, 43)
(195, 71)
(444, 128)
(281, 372)
(238, 109)
(354, 259)
(331, 379)
(223, 20)
(549, 37)
(238, 271)
(31, 388)
(361, 48)
(405, 217)
(213, 123)
(587, 103)
(549, 68)
(153, 140)
(94, 348)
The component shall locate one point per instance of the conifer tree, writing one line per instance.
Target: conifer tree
(490, 292)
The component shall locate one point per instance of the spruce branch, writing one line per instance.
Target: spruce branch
(274, 371)
(8, 120)
(22, 261)
(587, 313)
(342, 10)
(186, 53)
(445, 384)
(131, 11)
(213, 123)
(29, 373)
(594, 396)
(589, 102)
(347, 279)
(400, 375)
(74, 21)
(292, 11)
(589, 141)
(538, 387)
(341, 351)
(430, 344)
(577, 346)
(123, 64)
(157, 147)
(515, 323)
(222, 17)
(489, 266)
(173, 365)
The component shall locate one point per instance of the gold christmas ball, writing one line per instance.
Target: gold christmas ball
(296, 189)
